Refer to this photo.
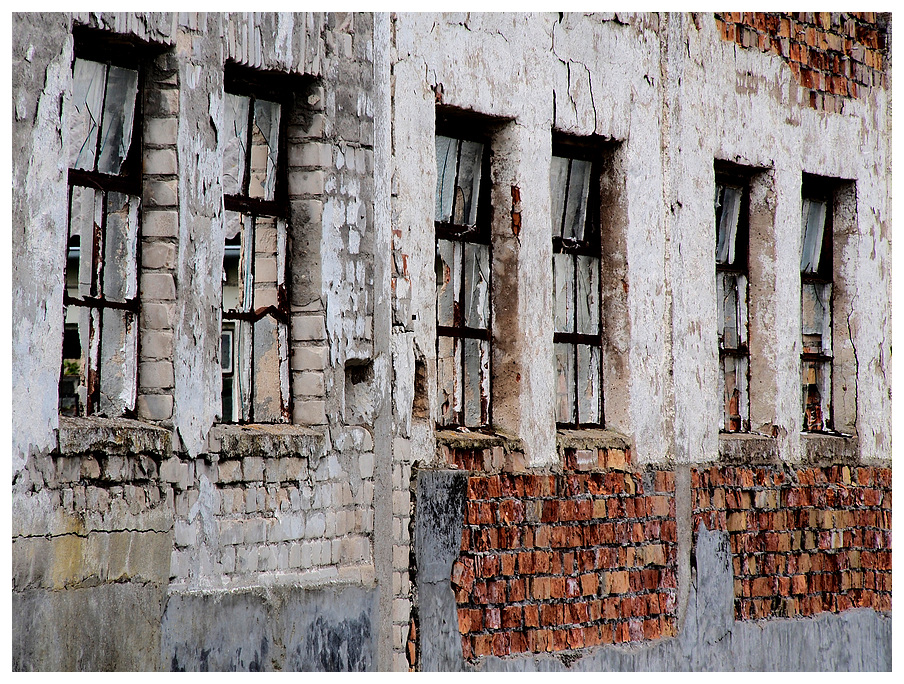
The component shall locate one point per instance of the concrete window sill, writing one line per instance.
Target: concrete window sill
(265, 440)
(747, 448)
(825, 448)
(478, 451)
(111, 436)
(593, 449)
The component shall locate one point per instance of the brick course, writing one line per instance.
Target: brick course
(559, 561)
(803, 541)
(835, 55)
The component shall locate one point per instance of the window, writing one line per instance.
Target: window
(254, 340)
(731, 209)
(574, 192)
(100, 344)
(816, 307)
(463, 258)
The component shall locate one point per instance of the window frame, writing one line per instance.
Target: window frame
(272, 87)
(582, 151)
(481, 234)
(102, 48)
(818, 189)
(740, 266)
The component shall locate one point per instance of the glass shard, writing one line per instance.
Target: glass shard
(728, 210)
(587, 303)
(119, 115)
(477, 285)
(813, 219)
(558, 189)
(446, 170)
(576, 202)
(816, 318)
(565, 383)
(589, 385)
(120, 280)
(236, 125)
(264, 149)
(448, 370)
(84, 118)
(476, 382)
(563, 289)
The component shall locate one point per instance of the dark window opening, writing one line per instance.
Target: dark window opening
(732, 208)
(574, 186)
(255, 306)
(463, 278)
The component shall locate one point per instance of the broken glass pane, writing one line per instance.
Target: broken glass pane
(576, 202)
(476, 382)
(119, 115)
(264, 149)
(446, 168)
(467, 190)
(558, 180)
(121, 247)
(85, 218)
(816, 318)
(563, 291)
(588, 297)
(118, 351)
(733, 384)
(448, 369)
(477, 285)
(728, 310)
(448, 270)
(817, 395)
(236, 123)
(564, 383)
(589, 385)
(813, 220)
(84, 117)
(728, 209)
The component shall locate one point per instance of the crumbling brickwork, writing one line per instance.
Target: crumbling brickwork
(804, 539)
(836, 55)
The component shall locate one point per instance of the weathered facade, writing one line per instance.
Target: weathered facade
(419, 341)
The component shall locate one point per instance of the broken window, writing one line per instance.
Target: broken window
(462, 282)
(100, 342)
(574, 193)
(731, 202)
(254, 339)
(816, 310)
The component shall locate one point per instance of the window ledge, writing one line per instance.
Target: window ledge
(266, 440)
(747, 448)
(592, 438)
(453, 439)
(829, 448)
(593, 449)
(112, 436)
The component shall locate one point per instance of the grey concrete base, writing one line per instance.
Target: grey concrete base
(439, 516)
(709, 640)
(112, 627)
(285, 628)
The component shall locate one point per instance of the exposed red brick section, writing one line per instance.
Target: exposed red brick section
(803, 540)
(835, 55)
(553, 562)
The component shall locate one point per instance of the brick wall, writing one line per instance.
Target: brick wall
(803, 540)
(559, 561)
(556, 561)
(835, 55)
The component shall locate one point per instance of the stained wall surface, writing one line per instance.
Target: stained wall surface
(353, 533)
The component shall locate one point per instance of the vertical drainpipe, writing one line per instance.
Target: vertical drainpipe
(382, 540)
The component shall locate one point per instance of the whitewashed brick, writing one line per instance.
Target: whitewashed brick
(311, 412)
(155, 374)
(157, 286)
(160, 131)
(306, 182)
(160, 162)
(310, 358)
(160, 224)
(154, 406)
(161, 193)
